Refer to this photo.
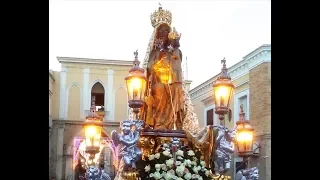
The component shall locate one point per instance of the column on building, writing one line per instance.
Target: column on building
(86, 102)
(63, 91)
(50, 146)
(110, 96)
(69, 163)
(59, 144)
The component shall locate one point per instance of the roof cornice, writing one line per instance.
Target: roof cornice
(254, 58)
(94, 61)
(263, 47)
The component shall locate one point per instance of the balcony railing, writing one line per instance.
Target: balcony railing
(102, 114)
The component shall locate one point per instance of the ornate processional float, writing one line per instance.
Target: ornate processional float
(161, 138)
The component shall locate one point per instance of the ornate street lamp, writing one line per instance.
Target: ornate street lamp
(222, 89)
(244, 141)
(92, 128)
(244, 136)
(136, 85)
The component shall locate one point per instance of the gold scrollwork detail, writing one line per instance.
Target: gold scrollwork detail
(221, 177)
(147, 145)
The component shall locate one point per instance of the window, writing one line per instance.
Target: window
(210, 117)
(243, 101)
(243, 98)
(98, 92)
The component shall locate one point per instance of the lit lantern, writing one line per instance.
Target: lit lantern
(244, 136)
(136, 84)
(92, 128)
(222, 89)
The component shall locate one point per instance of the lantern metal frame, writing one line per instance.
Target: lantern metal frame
(136, 73)
(94, 120)
(224, 80)
(92, 150)
(244, 149)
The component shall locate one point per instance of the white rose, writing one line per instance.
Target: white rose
(166, 153)
(207, 173)
(195, 169)
(202, 163)
(179, 178)
(169, 175)
(158, 167)
(194, 158)
(179, 157)
(191, 153)
(165, 145)
(163, 167)
(147, 168)
(169, 162)
(178, 163)
(157, 175)
(199, 168)
(180, 170)
(157, 155)
(187, 162)
(194, 176)
(187, 176)
(194, 163)
(200, 178)
(151, 175)
(151, 157)
(163, 174)
(179, 153)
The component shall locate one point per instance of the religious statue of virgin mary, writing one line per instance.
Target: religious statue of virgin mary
(168, 104)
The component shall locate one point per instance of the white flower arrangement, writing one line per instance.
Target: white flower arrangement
(164, 166)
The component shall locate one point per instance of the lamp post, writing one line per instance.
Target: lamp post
(222, 89)
(244, 137)
(244, 141)
(92, 128)
(136, 82)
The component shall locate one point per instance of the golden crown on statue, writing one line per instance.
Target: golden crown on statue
(161, 16)
(174, 34)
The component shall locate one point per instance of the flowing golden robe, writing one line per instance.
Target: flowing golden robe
(166, 89)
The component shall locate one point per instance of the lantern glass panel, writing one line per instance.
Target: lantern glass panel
(96, 140)
(244, 141)
(136, 87)
(93, 134)
(222, 95)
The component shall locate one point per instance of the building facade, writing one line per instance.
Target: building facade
(51, 82)
(252, 79)
(70, 94)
